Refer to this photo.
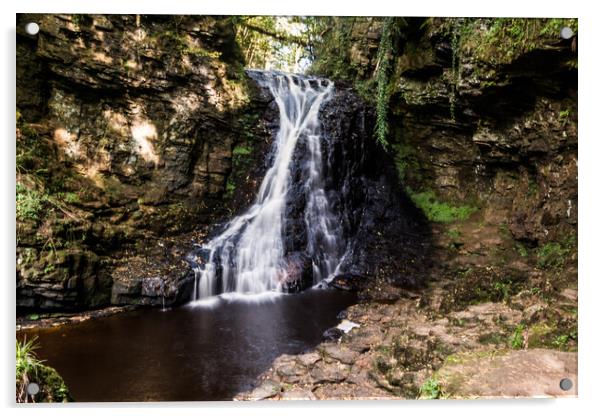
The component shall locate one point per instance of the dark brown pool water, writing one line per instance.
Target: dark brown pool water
(186, 353)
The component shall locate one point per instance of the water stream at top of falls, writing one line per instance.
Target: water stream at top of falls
(249, 255)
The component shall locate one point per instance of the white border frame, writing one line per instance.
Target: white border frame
(590, 94)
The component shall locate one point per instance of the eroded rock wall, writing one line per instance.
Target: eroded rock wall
(501, 135)
(482, 113)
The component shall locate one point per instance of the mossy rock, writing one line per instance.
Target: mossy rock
(474, 286)
(538, 335)
(52, 386)
(561, 335)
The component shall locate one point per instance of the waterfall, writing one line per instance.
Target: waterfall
(250, 255)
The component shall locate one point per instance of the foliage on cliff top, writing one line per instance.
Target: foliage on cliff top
(273, 42)
(346, 49)
(331, 47)
(501, 40)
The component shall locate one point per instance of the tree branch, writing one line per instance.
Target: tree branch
(278, 36)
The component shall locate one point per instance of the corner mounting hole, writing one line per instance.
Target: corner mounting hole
(32, 28)
(566, 32)
(566, 384)
(33, 389)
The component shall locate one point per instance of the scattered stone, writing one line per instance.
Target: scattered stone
(358, 374)
(332, 334)
(309, 359)
(329, 373)
(340, 353)
(488, 312)
(47, 320)
(346, 391)
(297, 393)
(347, 326)
(364, 338)
(291, 372)
(266, 390)
(288, 369)
(570, 294)
(532, 312)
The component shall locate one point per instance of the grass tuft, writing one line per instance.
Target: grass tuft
(430, 389)
(27, 366)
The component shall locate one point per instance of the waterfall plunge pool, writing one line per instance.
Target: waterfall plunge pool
(198, 352)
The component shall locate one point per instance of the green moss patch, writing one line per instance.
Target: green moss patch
(474, 286)
(241, 151)
(437, 211)
(501, 40)
(560, 335)
(554, 255)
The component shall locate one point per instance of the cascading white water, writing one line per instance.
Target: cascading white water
(248, 256)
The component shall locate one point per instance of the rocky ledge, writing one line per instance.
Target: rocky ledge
(493, 322)
(408, 350)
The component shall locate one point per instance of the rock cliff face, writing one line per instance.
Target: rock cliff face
(483, 118)
(136, 132)
(509, 140)
(387, 237)
(129, 128)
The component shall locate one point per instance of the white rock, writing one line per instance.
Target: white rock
(347, 325)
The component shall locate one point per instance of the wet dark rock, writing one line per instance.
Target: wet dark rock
(156, 277)
(63, 279)
(348, 282)
(342, 315)
(298, 267)
(198, 257)
(156, 291)
(382, 229)
(332, 334)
